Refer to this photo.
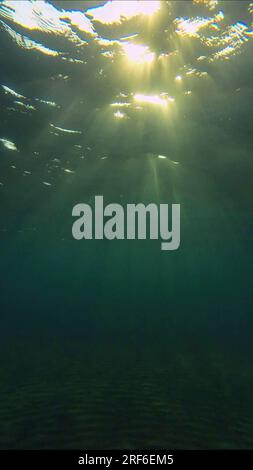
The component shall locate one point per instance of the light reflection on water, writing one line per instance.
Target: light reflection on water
(142, 45)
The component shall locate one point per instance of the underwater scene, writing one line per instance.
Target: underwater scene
(110, 344)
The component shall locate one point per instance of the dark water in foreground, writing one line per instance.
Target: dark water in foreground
(118, 344)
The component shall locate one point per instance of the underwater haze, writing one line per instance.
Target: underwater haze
(117, 344)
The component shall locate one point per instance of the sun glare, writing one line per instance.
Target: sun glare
(119, 115)
(138, 54)
(152, 99)
(115, 11)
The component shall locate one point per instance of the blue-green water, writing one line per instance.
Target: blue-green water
(117, 344)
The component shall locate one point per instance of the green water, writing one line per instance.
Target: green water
(117, 344)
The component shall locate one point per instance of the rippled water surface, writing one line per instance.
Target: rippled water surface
(118, 344)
